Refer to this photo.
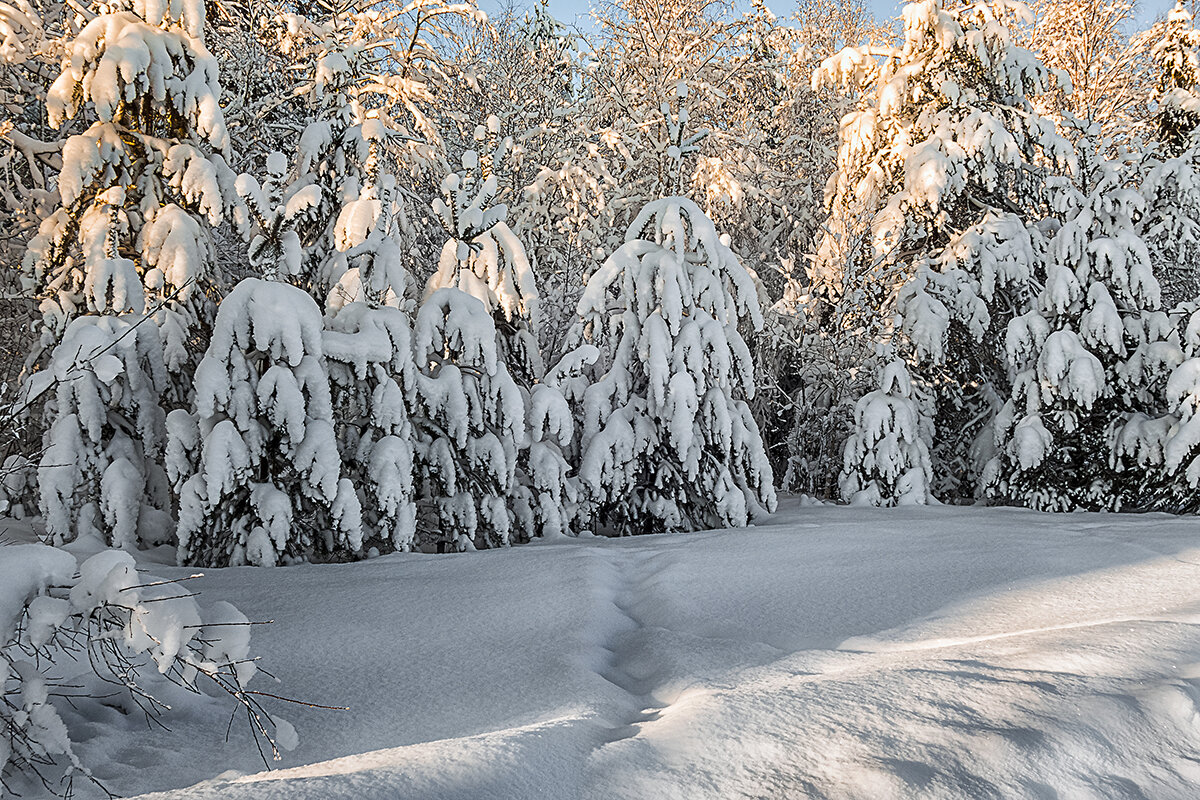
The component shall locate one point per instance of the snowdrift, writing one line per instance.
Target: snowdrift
(833, 653)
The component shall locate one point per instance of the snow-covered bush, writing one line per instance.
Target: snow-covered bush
(668, 441)
(256, 464)
(102, 632)
(469, 416)
(887, 456)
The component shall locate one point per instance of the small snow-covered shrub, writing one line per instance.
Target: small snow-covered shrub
(82, 631)
(886, 461)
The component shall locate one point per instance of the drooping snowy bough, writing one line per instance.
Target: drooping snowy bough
(668, 441)
(98, 632)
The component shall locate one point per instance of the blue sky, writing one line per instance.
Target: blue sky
(570, 11)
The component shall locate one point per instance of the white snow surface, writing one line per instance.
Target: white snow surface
(831, 652)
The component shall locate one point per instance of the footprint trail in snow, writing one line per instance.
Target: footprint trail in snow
(631, 663)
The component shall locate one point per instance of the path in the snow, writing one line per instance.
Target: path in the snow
(631, 663)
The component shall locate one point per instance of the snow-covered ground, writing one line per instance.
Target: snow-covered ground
(831, 653)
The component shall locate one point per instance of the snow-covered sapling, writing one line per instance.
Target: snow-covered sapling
(256, 464)
(485, 259)
(886, 460)
(469, 417)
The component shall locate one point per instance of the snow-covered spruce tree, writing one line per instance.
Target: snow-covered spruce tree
(137, 193)
(1086, 359)
(549, 491)
(523, 72)
(485, 259)
(469, 415)
(369, 353)
(371, 373)
(1164, 446)
(668, 439)
(148, 177)
(887, 456)
(256, 464)
(1174, 46)
(940, 176)
(100, 474)
(1172, 158)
